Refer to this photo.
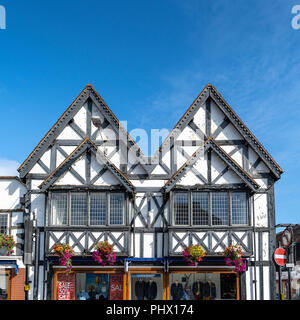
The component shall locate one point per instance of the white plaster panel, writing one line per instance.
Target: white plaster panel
(229, 133)
(148, 245)
(261, 210)
(80, 118)
(46, 157)
(107, 179)
(265, 246)
(217, 117)
(38, 207)
(67, 179)
(68, 133)
(11, 190)
(37, 169)
(188, 134)
(199, 119)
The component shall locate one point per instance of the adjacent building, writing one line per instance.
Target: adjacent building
(211, 182)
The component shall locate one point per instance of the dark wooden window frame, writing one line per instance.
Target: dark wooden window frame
(190, 204)
(107, 218)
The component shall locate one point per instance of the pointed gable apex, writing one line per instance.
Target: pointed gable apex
(87, 93)
(211, 144)
(210, 91)
(86, 144)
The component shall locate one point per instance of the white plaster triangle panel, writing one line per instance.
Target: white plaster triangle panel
(217, 117)
(37, 169)
(158, 170)
(116, 159)
(188, 134)
(51, 242)
(213, 242)
(96, 167)
(80, 118)
(98, 115)
(46, 157)
(201, 165)
(58, 235)
(237, 156)
(67, 179)
(138, 222)
(107, 179)
(68, 149)
(108, 134)
(79, 166)
(106, 149)
(96, 235)
(68, 133)
(229, 177)
(229, 133)
(181, 160)
(59, 158)
(199, 119)
(148, 245)
(189, 179)
(166, 159)
(217, 166)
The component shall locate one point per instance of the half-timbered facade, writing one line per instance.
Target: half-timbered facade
(210, 183)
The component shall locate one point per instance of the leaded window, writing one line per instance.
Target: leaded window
(59, 208)
(181, 206)
(4, 223)
(210, 208)
(98, 208)
(200, 208)
(220, 209)
(78, 209)
(239, 208)
(87, 208)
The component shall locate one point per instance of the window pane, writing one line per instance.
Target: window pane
(181, 208)
(59, 208)
(3, 223)
(200, 208)
(219, 208)
(239, 208)
(78, 209)
(98, 209)
(116, 208)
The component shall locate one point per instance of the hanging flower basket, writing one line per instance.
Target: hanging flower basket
(104, 253)
(193, 254)
(234, 257)
(64, 252)
(7, 243)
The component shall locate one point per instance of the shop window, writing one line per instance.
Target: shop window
(90, 286)
(4, 223)
(146, 286)
(203, 286)
(4, 281)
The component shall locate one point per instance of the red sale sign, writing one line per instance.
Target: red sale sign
(66, 286)
(116, 287)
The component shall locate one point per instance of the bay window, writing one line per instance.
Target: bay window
(86, 208)
(210, 208)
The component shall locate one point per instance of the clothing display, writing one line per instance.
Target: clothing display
(140, 289)
(198, 289)
(206, 290)
(176, 291)
(150, 290)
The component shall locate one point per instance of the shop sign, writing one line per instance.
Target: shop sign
(66, 286)
(116, 287)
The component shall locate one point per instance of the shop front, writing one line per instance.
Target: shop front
(146, 283)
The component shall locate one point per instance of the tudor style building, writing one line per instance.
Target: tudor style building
(210, 183)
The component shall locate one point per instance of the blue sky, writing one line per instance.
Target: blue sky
(149, 60)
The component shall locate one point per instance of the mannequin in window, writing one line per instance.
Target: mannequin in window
(151, 290)
(198, 290)
(176, 290)
(140, 289)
